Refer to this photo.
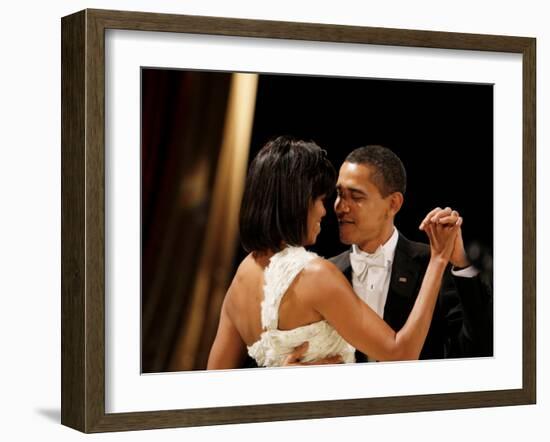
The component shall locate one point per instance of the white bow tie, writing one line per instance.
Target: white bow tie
(361, 262)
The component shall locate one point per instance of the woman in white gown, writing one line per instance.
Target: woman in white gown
(283, 295)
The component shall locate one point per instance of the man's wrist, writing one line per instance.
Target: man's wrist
(461, 262)
(461, 266)
(466, 272)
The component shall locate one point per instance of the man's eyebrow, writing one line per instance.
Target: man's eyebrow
(354, 190)
(351, 189)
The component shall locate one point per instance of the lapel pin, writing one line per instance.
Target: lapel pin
(402, 279)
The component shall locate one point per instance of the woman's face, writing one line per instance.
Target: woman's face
(315, 214)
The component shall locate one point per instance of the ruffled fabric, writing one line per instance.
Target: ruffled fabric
(275, 345)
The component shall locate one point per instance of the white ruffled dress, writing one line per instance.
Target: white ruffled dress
(275, 345)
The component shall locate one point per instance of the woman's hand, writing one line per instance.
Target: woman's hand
(295, 358)
(442, 227)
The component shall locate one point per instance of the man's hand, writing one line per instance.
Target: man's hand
(449, 217)
(294, 358)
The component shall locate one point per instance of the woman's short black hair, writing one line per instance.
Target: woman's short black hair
(284, 178)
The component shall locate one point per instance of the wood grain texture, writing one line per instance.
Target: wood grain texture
(83, 219)
(307, 31)
(95, 222)
(307, 410)
(529, 221)
(73, 258)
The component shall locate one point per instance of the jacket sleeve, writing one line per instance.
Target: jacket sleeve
(468, 308)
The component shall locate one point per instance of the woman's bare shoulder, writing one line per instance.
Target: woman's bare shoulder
(321, 276)
(247, 276)
(320, 267)
(247, 268)
(324, 287)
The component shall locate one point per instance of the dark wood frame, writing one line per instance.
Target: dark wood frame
(83, 218)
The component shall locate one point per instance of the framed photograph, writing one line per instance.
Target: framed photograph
(161, 118)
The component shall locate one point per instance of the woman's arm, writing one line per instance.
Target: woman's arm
(359, 325)
(228, 350)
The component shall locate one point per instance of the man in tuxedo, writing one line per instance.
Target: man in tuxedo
(386, 269)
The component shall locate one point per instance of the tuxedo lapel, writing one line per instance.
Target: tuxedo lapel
(342, 261)
(404, 284)
(347, 273)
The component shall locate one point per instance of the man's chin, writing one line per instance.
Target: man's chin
(346, 239)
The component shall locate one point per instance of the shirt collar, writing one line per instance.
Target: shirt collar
(388, 248)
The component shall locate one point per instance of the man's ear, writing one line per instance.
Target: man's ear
(396, 201)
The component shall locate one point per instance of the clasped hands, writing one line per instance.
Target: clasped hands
(447, 217)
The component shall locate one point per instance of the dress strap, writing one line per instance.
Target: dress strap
(283, 267)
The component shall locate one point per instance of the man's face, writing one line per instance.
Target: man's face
(365, 218)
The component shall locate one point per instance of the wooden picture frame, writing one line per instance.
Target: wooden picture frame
(83, 220)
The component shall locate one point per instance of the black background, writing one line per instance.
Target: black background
(443, 133)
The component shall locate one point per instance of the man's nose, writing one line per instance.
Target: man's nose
(340, 205)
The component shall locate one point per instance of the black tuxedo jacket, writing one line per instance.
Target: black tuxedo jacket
(462, 323)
